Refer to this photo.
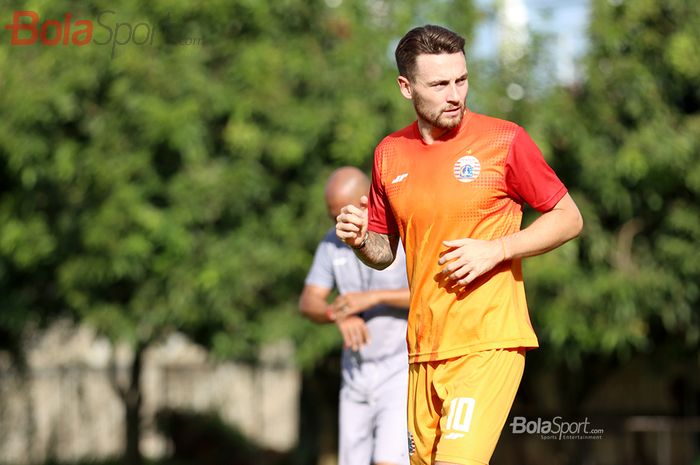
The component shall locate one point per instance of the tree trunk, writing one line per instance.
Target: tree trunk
(132, 403)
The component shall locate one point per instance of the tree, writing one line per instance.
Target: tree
(166, 174)
(624, 139)
(630, 152)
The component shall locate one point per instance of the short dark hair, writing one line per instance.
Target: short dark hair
(429, 39)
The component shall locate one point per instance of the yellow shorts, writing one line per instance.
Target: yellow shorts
(458, 407)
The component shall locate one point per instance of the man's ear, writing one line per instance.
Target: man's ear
(405, 87)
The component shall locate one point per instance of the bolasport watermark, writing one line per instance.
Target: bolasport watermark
(28, 28)
(556, 428)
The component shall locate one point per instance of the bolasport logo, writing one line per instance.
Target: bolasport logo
(29, 28)
(556, 428)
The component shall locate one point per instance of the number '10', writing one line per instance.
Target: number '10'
(460, 416)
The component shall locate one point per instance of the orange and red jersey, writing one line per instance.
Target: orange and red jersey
(472, 183)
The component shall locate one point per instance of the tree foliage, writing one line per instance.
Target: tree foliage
(626, 140)
(174, 181)
(176, 185)
(171, 179)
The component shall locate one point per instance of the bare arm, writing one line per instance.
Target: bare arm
(356, 302)
(550, 230)
(313, 303)
(373, 249)
(399, 298)
(378, 251)
(467, 259)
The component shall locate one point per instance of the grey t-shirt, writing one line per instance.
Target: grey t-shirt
(336, 266)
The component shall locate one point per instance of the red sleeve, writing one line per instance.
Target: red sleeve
(528, 176)
(381, 218)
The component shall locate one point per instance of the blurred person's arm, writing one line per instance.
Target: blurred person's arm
(313, 304)
(357, 302)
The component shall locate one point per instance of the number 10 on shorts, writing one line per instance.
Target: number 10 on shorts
(460, 416)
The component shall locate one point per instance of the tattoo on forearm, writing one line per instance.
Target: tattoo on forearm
(379, 251)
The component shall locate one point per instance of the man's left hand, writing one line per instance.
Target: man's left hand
(467, 259)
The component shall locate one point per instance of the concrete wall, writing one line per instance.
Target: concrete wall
(65, 406)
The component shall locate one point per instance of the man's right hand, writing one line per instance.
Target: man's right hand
(351, 223)
(354, 331)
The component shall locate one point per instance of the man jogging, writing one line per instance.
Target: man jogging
(452, 186)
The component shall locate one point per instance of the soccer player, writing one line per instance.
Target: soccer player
(370, 311)
(452, 186)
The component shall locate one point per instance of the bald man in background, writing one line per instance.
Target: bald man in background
(370, 311)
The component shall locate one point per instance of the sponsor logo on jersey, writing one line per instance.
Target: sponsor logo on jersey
(453, 436)
(467, 169)
(399, 178)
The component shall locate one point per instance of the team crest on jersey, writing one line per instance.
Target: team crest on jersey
(467, 169)
(411, 444)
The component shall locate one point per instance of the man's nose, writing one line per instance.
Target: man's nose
(453, 93)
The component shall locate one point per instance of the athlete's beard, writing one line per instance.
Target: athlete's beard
(436, 118)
